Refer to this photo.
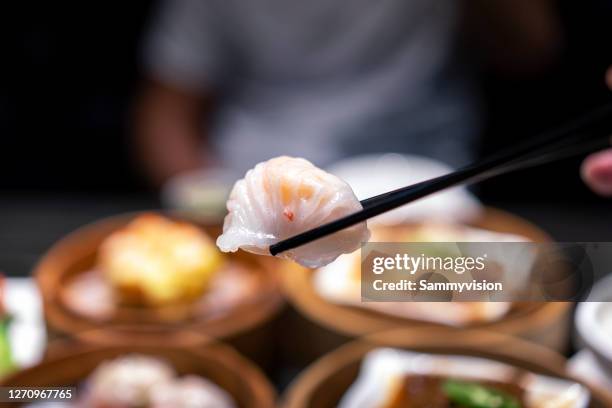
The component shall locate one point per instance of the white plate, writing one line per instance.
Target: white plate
(585, 366)
(369, 175)
(594, 322)
(27, 335)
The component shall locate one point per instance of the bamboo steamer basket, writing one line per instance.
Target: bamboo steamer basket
(249, 327)
(68, 363)
(323, 384)
(323, 326)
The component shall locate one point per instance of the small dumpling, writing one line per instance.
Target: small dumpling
(283, 197)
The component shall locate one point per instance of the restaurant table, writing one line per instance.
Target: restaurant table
(30, 224)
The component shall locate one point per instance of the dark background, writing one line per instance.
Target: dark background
(71, 70)
(69, 73)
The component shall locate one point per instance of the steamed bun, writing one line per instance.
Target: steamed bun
(283, 197)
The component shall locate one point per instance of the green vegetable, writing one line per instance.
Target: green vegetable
(473, 395)
(7, 364)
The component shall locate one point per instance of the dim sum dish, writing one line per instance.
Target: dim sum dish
(447, 382)
(151, 272)
(137, 380)
(283, 197)
(593, 321)
(340, 281)
(155, 261)
(330, 297)
(440, 368)
(193, 373)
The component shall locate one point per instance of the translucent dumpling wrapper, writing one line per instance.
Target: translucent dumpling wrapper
(283, 197)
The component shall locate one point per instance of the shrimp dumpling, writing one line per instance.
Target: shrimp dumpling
(283, 197)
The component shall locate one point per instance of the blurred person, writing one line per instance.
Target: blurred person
(597, 168)
(234, 83)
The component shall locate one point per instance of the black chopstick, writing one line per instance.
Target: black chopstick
(595, 123)
(591, 130)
